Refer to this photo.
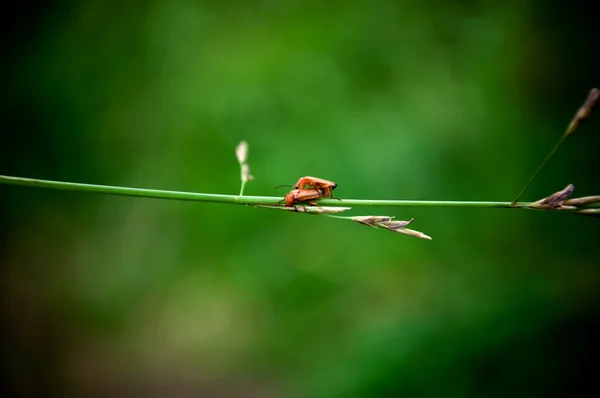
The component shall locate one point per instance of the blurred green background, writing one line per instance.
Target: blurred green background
(115, 296)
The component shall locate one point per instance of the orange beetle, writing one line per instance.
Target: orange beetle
(324, 187)
(302, 195)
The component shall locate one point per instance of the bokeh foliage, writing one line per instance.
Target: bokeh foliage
(400, 100)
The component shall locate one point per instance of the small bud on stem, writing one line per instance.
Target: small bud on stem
(241, 152)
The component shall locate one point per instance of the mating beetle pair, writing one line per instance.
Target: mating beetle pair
(307, 189)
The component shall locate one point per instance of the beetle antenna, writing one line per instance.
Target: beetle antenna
(280, 186)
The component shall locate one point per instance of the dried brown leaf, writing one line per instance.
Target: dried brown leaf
(371, 221)
(412, 232)
(589, 212)
(584, 112)
(583, 201)
(556, 200)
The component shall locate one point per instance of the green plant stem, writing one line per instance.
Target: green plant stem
(138, 192)
(242, 188)
(235, 199)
